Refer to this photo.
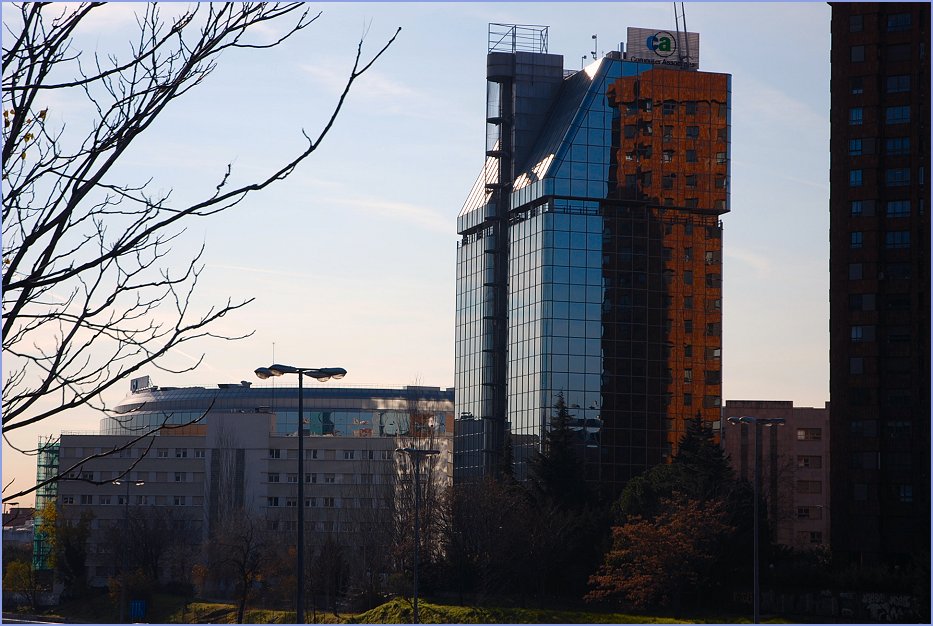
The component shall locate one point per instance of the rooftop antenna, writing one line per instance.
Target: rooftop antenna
(683, 45)
(582, 61)
(595, 47)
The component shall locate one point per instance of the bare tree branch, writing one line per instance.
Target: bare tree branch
(92, 291)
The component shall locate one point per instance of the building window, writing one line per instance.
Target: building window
(897, 84)
(856, 85)
(291, 502)
(688, 303)
(809, 486)
(273, 477)
(855, 147)
(688, 351)
(688, 375)
(669, 107)
(897, 177)
(855, 178)
(862, 333)
(291, 478)
(855, 116)
(87, 499)
(855, 207)
(857, 54)
(311, 478)
(809, 462)
(309, 502)
(855, 239)
(329, 478)
(688, 326)
(275, 453)
(691, 156)
(690, 106)
(711, 402)
(860, 492)
(329, 502)
(720, 182)
(905, 493)
(68, 499)
(179, 477)
(349, 455)
(898, 22)
(809, 434)
(667, 181)
(897, 145)
(810, 512)
(816, 536)
(688, 399)
(181, 453)
(855, 23)
(688, 277)
(667, 156)
(897, 208)
(105, 500)
(898, 52)
(272, 501)
(199, 453)
(310, 454)
(855, 271)
(713, 377)
(714, 280)
(720, 157)
(897, 115)
(897, 239)
(693, 132)
(162, 453)
(180, 500)
(667, 133)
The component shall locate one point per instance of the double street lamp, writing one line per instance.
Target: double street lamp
(321, 374)
(756, 422)
(126, 539)
(417, 455)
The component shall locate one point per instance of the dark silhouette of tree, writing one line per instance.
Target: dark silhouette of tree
(700, 473)
(238, 552)
(87, 258)
(654, 563)
(557, 469)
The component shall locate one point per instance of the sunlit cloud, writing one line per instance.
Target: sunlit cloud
(762, 266)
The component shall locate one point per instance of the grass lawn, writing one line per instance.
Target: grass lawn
(170, 609)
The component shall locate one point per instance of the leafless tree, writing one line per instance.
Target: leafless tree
(87, 259)
(239, 552)
(422, 432)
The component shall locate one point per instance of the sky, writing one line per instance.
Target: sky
(351, 260)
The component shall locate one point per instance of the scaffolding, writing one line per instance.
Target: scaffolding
(518, 38)
(46, 469)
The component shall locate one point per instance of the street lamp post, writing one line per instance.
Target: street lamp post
(321, 374)
(417, 455)
(756, 422)
(126, 540)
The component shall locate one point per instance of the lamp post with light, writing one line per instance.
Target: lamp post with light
(417, 455)
(756, 422)
(126, 540)
(321, 374)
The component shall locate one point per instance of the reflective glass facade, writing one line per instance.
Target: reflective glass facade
(613, 264)
(334, 411)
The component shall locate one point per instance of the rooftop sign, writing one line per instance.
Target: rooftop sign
(663, 47)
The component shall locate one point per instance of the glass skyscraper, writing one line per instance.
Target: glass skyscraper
(589, 261)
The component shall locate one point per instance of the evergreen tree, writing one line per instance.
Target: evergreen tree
(557, 470)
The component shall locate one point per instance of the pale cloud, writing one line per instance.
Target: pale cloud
(762, 266)
(422, 217)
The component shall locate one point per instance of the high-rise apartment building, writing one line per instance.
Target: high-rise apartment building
(879, 280)
(589, 261)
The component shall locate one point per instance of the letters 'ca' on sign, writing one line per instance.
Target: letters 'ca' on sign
(663, 47)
